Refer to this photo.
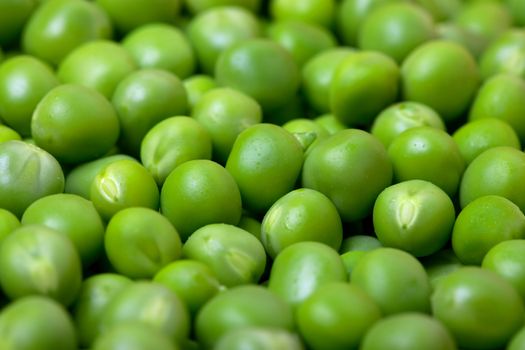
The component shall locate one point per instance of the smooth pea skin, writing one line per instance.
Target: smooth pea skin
(75, 124)
(501, 97)
(80, 178)
(143, 99)
(441, 74)
(264, 154)
(517, 341)
(161, 46)
(469, 300)
(95, 293)
(14, 16)
(396, 29)
(36, 323)
(362, 86)
(141, 241)
(359, 243)
(481, 134)
(317, 75)
(74, 216)
(197, 193)
(482, 224)
(234, 255)
(259, 338)
(453, 32)
(28, 173)
(8, 134)
(351, 168)
(320, 12)
(241, 307)
(172, 142)
(415, 215)
(303, 40)
(150, 303)
(260, 68)
(499, 171)
(384, 275)
(198, 6)
(225, 113)
(395, 119)
(197, 86)
(430, 154)
(192, 280)
(330, 123)
(507, 260)
(127, 16)
(506, 54)
(408, 331)
(122, 184)
(35, 259)
(99, 65)
(134, 336)
(301, 215)
(59, 26)
(8, 223)
(336, 316)
(216, 29)
(24, 80)
(301, 268)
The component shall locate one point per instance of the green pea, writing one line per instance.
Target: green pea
(140, 241)
(197, 193)
(430, 154)
(197, 86)
(80, 178)
(59, 26)
(395, 119)
(301, 268)
(500, 97)
(161, 46)
(75, 124)
(28, 173)
(264, 153)
(95, 294)
(507, 260)
(362, 86)
(234, 255)
(453, 32)
(301, 215)
(302, 39)
(171, 142)
(73, 216)
(415, 215)
(506, 54)
(150, 303)
(469, 300)
(14, 16)
(517, 341)
(517, 12)
(307, 131)
(330, 123)
(317, 76)
(36, 323)
(99, 65)
(320, 12)
(336, 316)
(350, 260)
(408, 331)
(8, 134)
(359, 243)
(192, 280)
(442, 75)
(35, 259)
(351, 151)
(259, 338)
(498, 171)
(225, 113)
(441, 10)
(18, 100)
(396, 29)
(440, 264)
(122, 184)
(251, 225)
(198, 6)
(241, 307)
(216, 29)
(133, 336)
(384, 275)
(143, 99)
(8, 223)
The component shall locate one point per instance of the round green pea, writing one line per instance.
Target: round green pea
(453, 32)
(28, 173)
(197, 86)
(233, 254)
(330, 123)
(385, 273)
(140, 241)
(8, 223)
(359, 243)
(303, 267)
(74, 216)
(506, 54)
(320, 12)
(198, 6)
(8, 134)
(122, 184)
(441, 10)
(134, 336)
(35, 259)
(260, 338)
(241, 307)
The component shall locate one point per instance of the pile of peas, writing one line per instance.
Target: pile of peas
(262, 174)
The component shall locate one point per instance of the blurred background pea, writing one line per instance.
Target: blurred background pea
(504, 55)
(197, 6)
(14, 16)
